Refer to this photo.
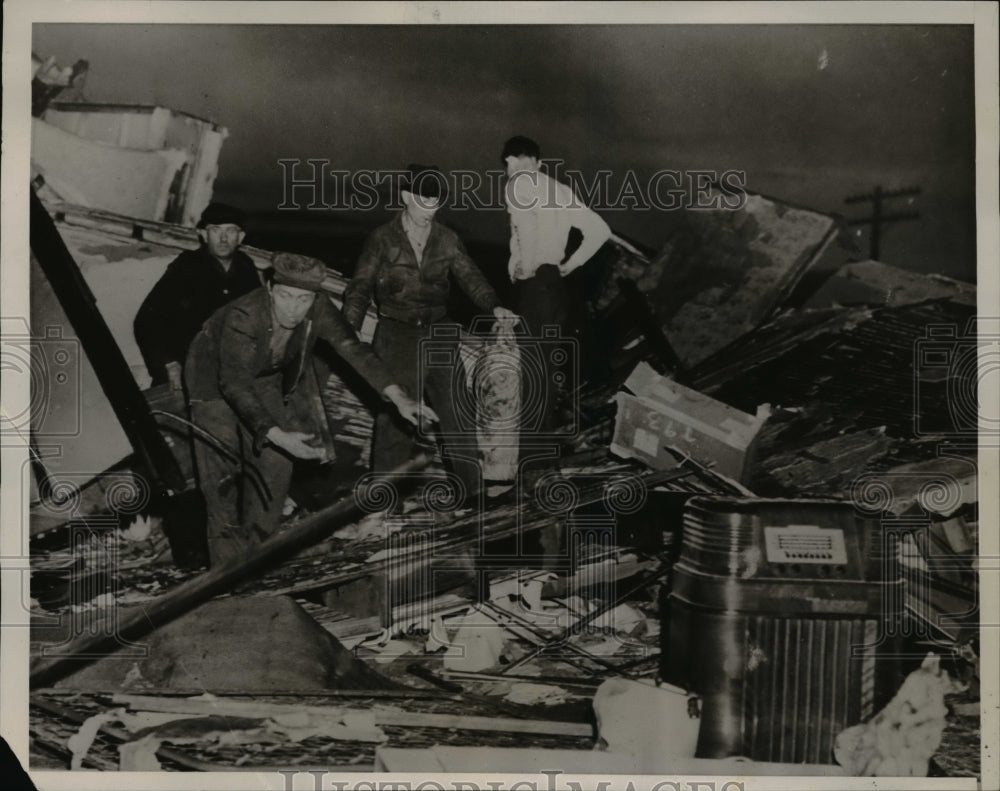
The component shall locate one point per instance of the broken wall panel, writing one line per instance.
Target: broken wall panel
(132, 182)
(723, 272)
(823, 468)
(73, 424)
(194, 142)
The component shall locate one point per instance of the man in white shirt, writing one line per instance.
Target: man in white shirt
(542, 213)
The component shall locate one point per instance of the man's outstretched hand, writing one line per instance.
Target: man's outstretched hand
(411, 411)
(297, 444)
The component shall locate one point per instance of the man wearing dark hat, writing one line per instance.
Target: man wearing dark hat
(405, 267)
(252, 386)
(195, 285)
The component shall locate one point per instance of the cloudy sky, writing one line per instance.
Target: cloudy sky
(811, 114)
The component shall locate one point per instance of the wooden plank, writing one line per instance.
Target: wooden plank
(404, 694)
(485, 760)
(383, 716)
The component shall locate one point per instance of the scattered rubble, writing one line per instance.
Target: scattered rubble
(411, 640)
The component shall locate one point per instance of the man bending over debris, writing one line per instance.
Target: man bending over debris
(252, 386)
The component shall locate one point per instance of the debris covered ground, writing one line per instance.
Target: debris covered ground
(521, 624)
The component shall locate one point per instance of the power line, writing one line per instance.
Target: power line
(878, 216)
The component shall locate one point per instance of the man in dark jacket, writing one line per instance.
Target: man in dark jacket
(405, 268)
(195, 285)
(251, 384)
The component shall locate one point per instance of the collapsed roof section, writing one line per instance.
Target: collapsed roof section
(723, 272)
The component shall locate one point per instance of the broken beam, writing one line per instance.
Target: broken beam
(383, 717)
(101, 642)
(103, 352)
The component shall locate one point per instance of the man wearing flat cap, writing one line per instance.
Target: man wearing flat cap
(405, 268)
(252, 386)
(195, 285)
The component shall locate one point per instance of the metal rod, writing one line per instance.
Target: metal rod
(525, 624)
(566, 681)
(87, 647)
(210, 439)
(570, 630)
(537, 638)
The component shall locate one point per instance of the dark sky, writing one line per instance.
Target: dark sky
(810, 113)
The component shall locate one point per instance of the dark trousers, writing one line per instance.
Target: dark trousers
(442, 383)
(542, 302)
(240, 515)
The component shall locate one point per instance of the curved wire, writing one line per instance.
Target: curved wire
(213, 441)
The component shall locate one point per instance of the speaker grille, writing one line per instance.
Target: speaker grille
(803, 685)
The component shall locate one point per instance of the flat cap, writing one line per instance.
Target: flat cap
(222, 214)
(427, 181)
(300, 271)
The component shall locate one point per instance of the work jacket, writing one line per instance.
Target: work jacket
(411, 291)
(231, 359)
(194, 286)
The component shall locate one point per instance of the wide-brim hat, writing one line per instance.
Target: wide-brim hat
(300, 271)
(222, 214)
(427, 181)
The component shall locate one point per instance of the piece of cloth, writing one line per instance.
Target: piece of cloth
(238, 393)
(542, 212)
(403, 288)
(412, 298)
(193, 287)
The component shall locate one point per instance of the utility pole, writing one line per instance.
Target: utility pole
(878, 216)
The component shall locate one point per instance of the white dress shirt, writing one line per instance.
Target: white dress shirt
(542, 211)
